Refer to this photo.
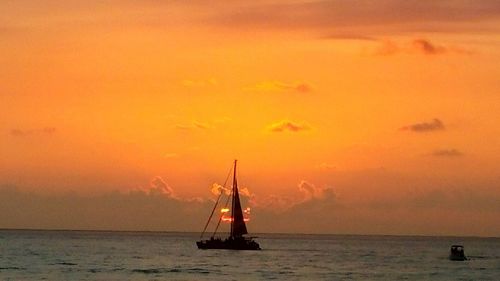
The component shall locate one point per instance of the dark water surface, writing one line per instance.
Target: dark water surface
(94, 255)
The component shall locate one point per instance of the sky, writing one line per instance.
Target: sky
(348, 117)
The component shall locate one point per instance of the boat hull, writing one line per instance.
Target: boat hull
(457, 257)
(228, 244)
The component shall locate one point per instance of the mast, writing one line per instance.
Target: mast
(235, 183)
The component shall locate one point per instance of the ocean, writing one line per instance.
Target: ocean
(100, 255)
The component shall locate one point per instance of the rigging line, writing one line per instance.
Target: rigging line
(215, 206)
(231, 194)
(220, 218)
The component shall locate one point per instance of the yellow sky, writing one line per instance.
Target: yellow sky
(376, 102)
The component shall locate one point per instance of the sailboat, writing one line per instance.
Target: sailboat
(236, 239)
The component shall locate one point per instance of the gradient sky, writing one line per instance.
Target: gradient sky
(346, 116)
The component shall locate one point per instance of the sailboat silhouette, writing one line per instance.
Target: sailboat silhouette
(236, 239)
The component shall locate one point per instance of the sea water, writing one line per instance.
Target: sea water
(94, 255)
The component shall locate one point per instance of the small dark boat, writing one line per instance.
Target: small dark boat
(236, 239)
(457, 253)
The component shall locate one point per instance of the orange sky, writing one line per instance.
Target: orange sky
(390, 109)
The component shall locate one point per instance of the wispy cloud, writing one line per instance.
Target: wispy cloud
(286, 125)
(427, 48)
(364, 17)
(194, 125)
(348, 36)
(423, 127)
(447, 153)
(276, 86)
(201, 125)
(417, 46)
(30, 132)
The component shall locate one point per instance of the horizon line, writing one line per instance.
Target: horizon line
(257, 233)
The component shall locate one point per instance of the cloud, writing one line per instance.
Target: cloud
(19, 133)
(201, 125)
(244, 191)
(30, 132)
(427, 48)
(417, 46)
(290, 126)
(423, 127)
(302, 87)
(216, 189)
(273, 203)
(447, 153)
(135, 210)
(276, 86)
(434, 198)
(158, 186)
(310, 191)
(373, 201)
(194, 125)
(381, 205)
(363, 17)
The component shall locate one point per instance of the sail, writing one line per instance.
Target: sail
(238, 227)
